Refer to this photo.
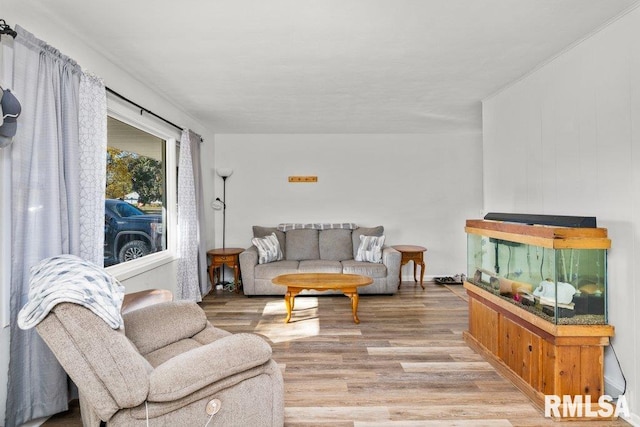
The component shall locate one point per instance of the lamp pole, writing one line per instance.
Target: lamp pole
(224, 213)
(224, 174)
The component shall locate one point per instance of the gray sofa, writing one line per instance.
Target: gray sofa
(318, 248)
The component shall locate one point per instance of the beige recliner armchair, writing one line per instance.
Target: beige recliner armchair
(169, 366)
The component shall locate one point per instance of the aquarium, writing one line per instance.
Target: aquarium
(559, 274)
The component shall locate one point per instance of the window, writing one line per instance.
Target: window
(140, 189)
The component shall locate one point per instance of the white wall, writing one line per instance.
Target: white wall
(16, 12)
(566, 140)
(421, 188)
(161, 277)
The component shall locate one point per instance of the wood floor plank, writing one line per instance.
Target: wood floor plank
(419, 350)
(462, 410)
(303, 414)
(437, 423)
(446, 367)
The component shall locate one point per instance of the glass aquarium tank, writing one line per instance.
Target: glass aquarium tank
(557, 273)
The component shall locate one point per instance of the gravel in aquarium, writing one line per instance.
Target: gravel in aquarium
(578, 319)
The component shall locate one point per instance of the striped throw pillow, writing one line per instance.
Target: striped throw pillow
(370, 249)
(268, 248)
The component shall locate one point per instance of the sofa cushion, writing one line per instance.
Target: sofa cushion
(370, 249)
(259, 231)
(367, 231)
(268, 248)
(273, 269)
(320, 266)
(302, 244)
(335, 245)
(373, 270)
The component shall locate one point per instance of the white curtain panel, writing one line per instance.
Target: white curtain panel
(189, 220)
(47, 203)
(196, 143)
(93, 164)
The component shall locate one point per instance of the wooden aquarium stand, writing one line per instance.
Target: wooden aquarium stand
(539, 357)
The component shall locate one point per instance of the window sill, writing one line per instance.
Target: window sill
(139, 266)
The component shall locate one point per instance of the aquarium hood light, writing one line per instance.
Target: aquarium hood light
(556, 220)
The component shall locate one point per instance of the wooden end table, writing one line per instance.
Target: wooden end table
(348, 284)
(415, 254)
(221, 257)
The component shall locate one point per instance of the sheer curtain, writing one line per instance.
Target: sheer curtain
(93, 164)
(196, 143)
(49, 187)
(192, 264)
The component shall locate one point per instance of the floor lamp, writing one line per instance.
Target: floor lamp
(224, 173)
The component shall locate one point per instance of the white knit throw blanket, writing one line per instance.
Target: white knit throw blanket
(68, 278)
(317, 226)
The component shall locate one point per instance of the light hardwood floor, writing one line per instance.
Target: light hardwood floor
(405, 364)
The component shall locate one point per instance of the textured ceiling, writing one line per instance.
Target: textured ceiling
(331, 66)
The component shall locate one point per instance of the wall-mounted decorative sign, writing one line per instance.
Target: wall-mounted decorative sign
(303, 179)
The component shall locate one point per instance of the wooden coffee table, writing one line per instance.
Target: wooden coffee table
(348, 284)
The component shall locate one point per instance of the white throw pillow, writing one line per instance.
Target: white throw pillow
(268, 248)
(370, 249)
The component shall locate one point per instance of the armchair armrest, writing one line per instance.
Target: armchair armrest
(193, 370)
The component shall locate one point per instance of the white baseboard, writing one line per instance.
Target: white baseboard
(35, 423)
(634, 420)
(612, 387)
